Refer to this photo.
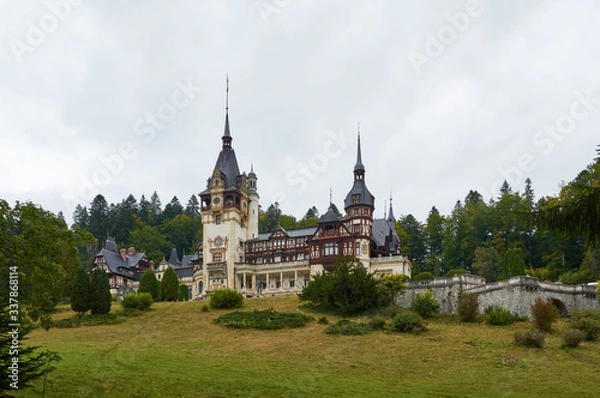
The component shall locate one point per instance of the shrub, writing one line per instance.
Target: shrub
(424, 304)
(377, 323)
(348, 327)
(544, 313)
(226, 298)
(407, 322)
(588, 321)
(533, 338)
(267, 319)
(349, 289)
(468, 306)
(323, 321)
(205, 308)
(139, 301)
(573, 337)
(499, 316)
(423, 276)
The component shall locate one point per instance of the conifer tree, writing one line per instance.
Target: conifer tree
(149, 284)
(80, 291)
(100, 298)
(170, 284)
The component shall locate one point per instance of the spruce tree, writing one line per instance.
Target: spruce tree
(100, 298)
(80, 291)
(149, 284)
(170, 285)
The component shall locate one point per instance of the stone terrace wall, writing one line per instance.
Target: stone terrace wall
(515, 294)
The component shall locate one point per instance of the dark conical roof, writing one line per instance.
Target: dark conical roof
(390, 216)
(329, 216)
(173, 259)
(227, 161)
(359, 166)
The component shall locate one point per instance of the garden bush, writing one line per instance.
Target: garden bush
(349, 289)
(588, 321)
(407, 322)
(544, 314)
(533, 338)
(424, 304)
(268, 319)
(348, 327)
(572, 338)
(139, 301)
(498, 316)
(323, 321)
(377, 323)
(468, 306)
(226, 298)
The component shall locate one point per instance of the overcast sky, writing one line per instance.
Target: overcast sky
(120, 97)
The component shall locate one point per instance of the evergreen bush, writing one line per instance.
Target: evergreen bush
(139, 301)
(348, 327)
(407, 322)
(498, 316)
(349, 289)
(183, 293)
(226, 298)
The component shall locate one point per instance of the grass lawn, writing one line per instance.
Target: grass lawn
(175, 350)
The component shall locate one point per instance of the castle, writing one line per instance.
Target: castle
(235, 255)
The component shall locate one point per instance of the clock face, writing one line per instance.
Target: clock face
(217, 200)
(218, 241)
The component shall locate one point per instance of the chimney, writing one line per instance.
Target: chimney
(152, 265)
(130, 251)
(123, 253)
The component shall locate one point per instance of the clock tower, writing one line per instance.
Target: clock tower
(227, 217)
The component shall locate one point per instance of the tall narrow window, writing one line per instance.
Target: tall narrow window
(357, 250)
(218, 220)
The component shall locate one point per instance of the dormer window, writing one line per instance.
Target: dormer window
(355, 198)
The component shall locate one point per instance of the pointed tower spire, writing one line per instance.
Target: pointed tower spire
(390, 216)
(359, 168)
(227, 135)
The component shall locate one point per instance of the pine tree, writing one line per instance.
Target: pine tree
(170, 284)
(149, 284)
(100, 298)
(80, 291)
